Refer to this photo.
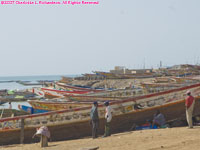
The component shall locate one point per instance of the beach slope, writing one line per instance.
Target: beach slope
(159, 139)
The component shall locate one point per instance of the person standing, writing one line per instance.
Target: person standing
(108, 117)
(10, 105)
(94, 120)
(189, 104)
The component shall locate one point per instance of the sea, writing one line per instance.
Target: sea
(10, 84)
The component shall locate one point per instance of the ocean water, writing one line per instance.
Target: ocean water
(32, 78)
(14, 85)
(17, 86)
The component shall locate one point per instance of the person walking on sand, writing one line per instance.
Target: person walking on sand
(94, 120)
(189, 104)
(108, 117)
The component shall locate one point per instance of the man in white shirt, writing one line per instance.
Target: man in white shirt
(108, 117)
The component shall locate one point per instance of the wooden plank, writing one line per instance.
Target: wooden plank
(22, 131)
(44, 141)
(90, 148)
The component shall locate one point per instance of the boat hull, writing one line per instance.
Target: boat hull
(50, 106)
(60, 93)
(70, 124)
(82, 129)
(94, 98)
(31, 110)
(75, 88)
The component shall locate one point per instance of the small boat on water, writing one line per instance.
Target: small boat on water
(74, 123)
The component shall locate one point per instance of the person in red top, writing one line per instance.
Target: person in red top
(189, 104)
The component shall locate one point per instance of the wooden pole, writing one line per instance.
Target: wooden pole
(22, 132)
(44, 141)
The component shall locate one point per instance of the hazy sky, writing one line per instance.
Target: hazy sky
(50, 39)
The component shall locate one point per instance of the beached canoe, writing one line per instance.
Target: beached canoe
(61, 93)
(70, 124)
(78, 88)
(31, 110)
(4, 113)
(93, 98)
(70, 102)
(55, 104)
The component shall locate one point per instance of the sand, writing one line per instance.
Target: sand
(159, 139)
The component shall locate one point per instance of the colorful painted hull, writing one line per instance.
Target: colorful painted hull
(31, 110)
(70, 124)
(52, 105)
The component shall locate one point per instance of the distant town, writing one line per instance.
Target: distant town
(120, 72)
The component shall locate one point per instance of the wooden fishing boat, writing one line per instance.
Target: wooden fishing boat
(172, 85)
(55, 104)
(93, 98)
(175, 80)
(31, 110)
(70, 102)
(119, 93)
(107, 75)
(69, 124)
(78, 88)
(61, 93)
(4, 113)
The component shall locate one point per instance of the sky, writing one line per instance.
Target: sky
(67, 39)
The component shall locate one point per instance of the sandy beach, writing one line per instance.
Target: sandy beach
(159, 139)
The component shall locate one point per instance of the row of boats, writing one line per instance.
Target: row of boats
(63, 96)
(67, 113)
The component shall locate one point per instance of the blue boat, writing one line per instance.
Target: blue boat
(31, 110)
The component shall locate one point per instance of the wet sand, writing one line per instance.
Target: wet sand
(159, 139)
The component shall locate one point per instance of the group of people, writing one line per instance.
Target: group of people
(159, 119)
(95, 119)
